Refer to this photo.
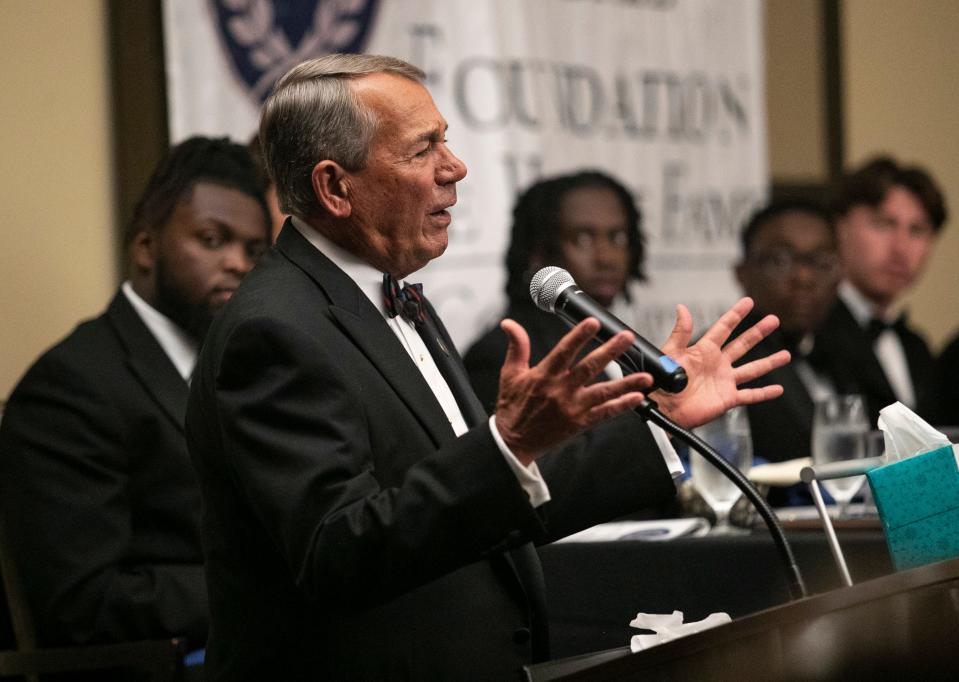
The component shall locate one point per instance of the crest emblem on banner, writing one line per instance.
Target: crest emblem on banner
(265, 38)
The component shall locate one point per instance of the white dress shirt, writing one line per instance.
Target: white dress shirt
(887, 346)
(179, 346)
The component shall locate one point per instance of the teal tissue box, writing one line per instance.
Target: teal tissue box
(918, 503)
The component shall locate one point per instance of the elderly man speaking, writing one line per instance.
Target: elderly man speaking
(363, 517)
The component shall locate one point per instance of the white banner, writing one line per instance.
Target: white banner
(666, 95)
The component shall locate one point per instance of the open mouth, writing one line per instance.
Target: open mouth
(441, 216)
(223, 294)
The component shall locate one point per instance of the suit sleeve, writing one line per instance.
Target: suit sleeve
(66, 497)
(359, 501)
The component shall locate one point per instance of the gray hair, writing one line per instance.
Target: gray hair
(313, 114)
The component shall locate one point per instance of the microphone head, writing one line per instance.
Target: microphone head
(547, 285)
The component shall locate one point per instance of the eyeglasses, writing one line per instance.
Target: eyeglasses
(780, 263)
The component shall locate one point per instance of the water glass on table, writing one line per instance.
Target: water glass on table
(839, 432)
(729, 436)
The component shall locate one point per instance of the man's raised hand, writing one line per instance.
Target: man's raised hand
(713, 380)
(542, 406)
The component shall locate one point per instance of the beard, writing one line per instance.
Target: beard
(175, 303)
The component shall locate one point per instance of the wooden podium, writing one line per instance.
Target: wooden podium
(903, 626)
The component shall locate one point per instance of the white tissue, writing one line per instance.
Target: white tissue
(668, 627)
(906, 434)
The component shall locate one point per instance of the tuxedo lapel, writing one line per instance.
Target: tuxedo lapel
(795, 396)
(147, 360)
(466, 397)
(380, 345)
(922, 373)
(845, 339)
(365, 326)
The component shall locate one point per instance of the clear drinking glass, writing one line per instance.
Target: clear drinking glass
(729, 436)
(839, 432)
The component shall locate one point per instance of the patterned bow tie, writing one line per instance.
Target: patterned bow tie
(407, 302)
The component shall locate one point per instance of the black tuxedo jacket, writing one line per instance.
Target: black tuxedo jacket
(348, 533)
(100, 501)
(850, 346)
(782, 428)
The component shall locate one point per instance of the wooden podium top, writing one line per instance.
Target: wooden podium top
(900, 626)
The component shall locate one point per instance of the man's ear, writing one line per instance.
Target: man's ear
(143, 250)
(332, 188)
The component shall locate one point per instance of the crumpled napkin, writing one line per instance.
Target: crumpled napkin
(668, 627)
(906, 434)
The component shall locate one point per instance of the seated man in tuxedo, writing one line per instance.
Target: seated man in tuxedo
(364, 518)
(888, 218)
(99, 499)
(790, 267)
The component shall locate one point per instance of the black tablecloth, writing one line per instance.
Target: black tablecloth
(595, 589)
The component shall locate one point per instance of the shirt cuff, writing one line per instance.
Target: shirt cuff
(673, 463)
(528, 477)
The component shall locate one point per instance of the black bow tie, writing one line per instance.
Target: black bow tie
(806, 349)
(877, 326)
(407, 302)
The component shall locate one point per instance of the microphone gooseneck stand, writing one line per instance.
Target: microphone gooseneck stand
(649, 410)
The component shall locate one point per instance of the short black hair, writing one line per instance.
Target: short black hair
(197, 159)
(536, 226)
(870, 183)
(774, 209)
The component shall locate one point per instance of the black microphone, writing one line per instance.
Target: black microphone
(554, 291)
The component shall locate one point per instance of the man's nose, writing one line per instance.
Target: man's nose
(605, 249)
(237, 259)
(803, 270)
(451, 169)
(901, 240)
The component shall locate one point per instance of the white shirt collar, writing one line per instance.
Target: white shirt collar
(862, 308)
(367, 278)
(179, 346)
